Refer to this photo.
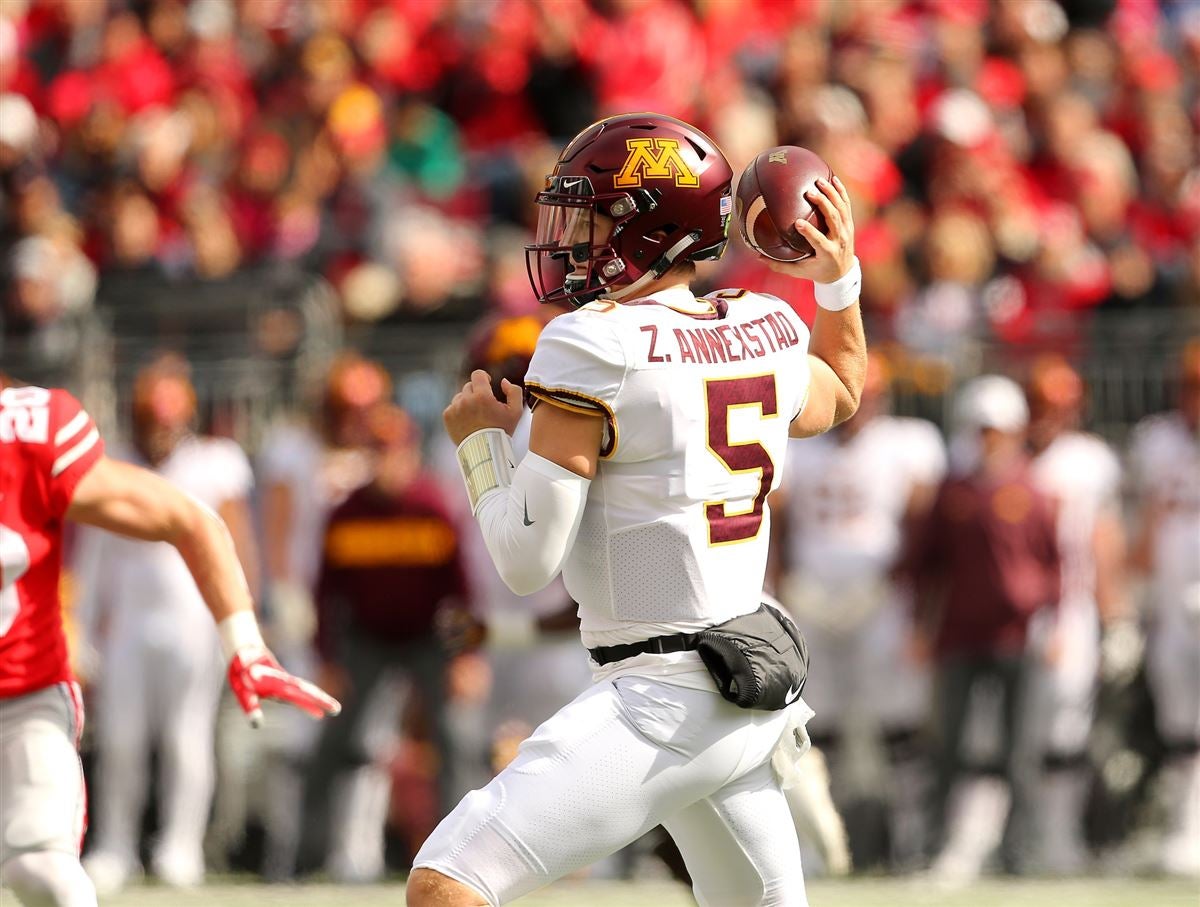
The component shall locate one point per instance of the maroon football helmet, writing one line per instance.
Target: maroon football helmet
(629, 197)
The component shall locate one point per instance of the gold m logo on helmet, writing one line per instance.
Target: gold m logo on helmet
(655, 159)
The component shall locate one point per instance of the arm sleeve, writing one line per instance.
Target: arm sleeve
(579, 364)
(529, 527)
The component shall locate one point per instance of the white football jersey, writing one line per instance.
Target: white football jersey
(1165, 457)
(697, 395)
(846, 497)
(1082, 475)
(145, 586)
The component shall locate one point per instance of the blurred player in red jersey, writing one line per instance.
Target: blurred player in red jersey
(53, 469)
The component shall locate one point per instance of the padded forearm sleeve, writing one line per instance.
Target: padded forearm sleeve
(530, 526)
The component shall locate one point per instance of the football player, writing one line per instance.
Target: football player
(1081, 475)
(53, 469)
(660, 427)
(847, 501)
(1165, 456)
(140, 608)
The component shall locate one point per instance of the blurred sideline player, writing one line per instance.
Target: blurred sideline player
(649, 463)
(159, 678)
(52, 469)
(984, 563)
(1081, 476)
(1165, 457)
(391, 566)
(847, 501)
(306, 467)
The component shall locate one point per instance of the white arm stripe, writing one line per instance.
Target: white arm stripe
(65, 461)
(71, 429)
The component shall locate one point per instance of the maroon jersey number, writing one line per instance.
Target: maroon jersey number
(722, 395)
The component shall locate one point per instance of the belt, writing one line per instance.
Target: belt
(658, 645)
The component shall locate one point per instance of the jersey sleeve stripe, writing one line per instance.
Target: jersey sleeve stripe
(581, 402)
(64, 462)
(569, 407)
(71, 429)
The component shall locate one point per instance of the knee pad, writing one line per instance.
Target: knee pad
(46, 878)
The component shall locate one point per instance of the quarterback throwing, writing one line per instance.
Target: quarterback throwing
(660, 425)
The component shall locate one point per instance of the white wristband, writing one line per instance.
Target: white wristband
(843, 292)
(239, 631)
(485, 458)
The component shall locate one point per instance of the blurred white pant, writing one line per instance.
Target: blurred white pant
(42, 801)
(158, 690)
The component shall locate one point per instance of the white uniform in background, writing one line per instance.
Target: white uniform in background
(1082, 476)
(697, 404)
(846, 505)
(1165, 457)
(846, 500)
(159, 680)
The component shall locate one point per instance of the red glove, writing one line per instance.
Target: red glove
(254, 674)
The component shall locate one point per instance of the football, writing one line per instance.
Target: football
(770, 199)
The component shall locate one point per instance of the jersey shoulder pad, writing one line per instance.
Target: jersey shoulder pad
(579, 362)
(1094, 453)
(1153, 445)
(226, 459)
(920, 442)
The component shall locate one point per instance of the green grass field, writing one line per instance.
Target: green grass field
(1098, 892)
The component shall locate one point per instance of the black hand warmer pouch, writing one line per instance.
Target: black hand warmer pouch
(758, 660)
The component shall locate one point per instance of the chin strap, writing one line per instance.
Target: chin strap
(660, 267)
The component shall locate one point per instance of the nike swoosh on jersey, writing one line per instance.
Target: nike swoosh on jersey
(793, 694)
(528, 521)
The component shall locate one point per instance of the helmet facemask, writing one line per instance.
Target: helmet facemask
(572, 260)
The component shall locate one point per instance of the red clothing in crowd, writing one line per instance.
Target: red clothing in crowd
(388, 564)
(986, 561)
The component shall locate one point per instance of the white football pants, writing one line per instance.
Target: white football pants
(624, 756)
(157, 691)
(43, 806)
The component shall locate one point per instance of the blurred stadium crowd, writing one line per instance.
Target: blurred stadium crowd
(1017, 169)
(1012, 165)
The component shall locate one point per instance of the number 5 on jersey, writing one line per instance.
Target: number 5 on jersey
(723, 395)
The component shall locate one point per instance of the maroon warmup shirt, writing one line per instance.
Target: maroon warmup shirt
(387, 564)
(984, 562)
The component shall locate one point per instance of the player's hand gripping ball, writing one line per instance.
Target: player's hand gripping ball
(772, 196)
